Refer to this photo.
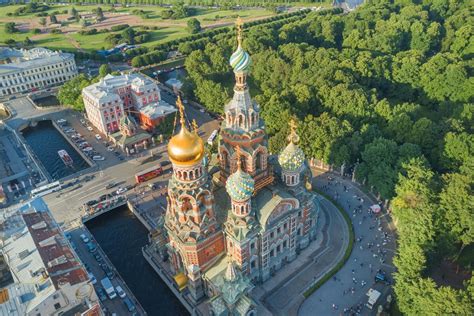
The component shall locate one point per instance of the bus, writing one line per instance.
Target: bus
(148, 174)
(211, 138)
(46, 189)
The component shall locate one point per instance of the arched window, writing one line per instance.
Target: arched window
(185, 175)
(241, 121)
(258, 161)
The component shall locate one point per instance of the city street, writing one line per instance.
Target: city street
(373, 249)
(115, 305)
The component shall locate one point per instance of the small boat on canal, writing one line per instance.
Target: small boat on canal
(65, 157)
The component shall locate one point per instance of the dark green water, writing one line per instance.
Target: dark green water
(121, 236)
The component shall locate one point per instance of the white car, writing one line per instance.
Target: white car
(90, 129)
(120, 292)
(92, 278)
(202, 111)
(98, 137)
(84, 238)
(121, 190)
(110, 148)
(98, 158)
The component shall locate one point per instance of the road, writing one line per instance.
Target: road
(346, 291)
(113, 306)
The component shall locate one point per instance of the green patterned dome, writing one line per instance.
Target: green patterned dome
(291, 158)
(240, 186)
(240, 60)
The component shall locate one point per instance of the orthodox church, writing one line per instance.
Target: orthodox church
(236, 228)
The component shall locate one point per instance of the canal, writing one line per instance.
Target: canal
(45, 140)
(121, 236)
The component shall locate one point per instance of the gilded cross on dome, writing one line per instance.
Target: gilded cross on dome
(180, 106)
(293, 137)
(239, 24)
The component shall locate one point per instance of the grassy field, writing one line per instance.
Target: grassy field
(72, 40)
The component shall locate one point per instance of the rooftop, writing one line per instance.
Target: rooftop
(157, 109)
(27, 59)
(38, 255)
(106, 88)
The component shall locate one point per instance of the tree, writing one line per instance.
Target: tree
(194, 26)
(53, 19)
(104, 70)
(10, 27)
(100, 14)
(70, 93)
(42, 21)
(456, 204)
(129, 35)
(10, 42)
(27, 42)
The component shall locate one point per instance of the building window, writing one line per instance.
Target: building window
(252, 264)
(299, 214)
(252, 245)
(285, 226)
(272, 234)
(284, 244)
(272, 253)
(278, 248)
(57, 306)
(278, 230)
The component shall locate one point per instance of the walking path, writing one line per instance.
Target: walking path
(373, 250)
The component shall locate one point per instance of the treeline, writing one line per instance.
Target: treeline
(198, 41)
(387, 90)
(226, 4)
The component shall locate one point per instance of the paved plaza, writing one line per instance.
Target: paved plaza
(374, 248)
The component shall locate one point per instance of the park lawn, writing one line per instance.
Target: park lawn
(92, 42)
(165, 34)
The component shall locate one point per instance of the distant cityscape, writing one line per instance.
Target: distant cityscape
(194, 158)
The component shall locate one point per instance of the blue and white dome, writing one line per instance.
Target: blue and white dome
(240, 186)
(240, 60)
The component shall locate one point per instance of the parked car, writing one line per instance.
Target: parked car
(68, 235)
(82, 121)
(120, 291)
(98, 158)
(98, 137)
(84, 238)
(110, 148)
(92, 278)
(101, 294)
(121, 190)
(90, 129)
(130, 306)
(91, 247)
(110, 185)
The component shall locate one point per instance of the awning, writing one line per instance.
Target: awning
(375, 208)
(181, 280)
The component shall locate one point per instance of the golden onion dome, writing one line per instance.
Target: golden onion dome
(185, 148)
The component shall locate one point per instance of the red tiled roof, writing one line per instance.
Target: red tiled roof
(58, 258)
(93, 311)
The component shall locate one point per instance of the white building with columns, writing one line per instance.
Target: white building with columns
(29, 70)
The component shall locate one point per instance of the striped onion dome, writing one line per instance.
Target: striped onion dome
(240, 60)
(240, 186)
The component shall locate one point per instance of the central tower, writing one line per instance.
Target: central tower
(242, 126)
